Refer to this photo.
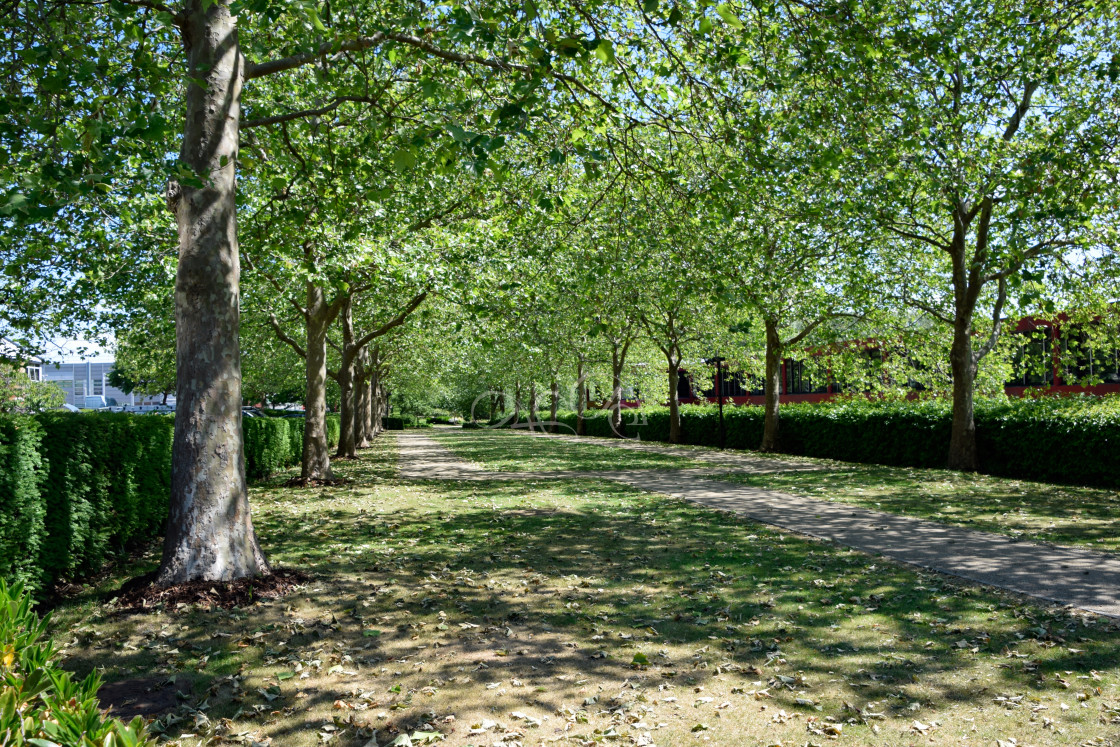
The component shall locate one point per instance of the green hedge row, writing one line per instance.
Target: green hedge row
(1067, 439)
(78, 488)
(40, 704)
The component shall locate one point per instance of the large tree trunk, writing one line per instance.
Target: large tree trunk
(209, 530)
(581, 398)
(771, 436)
(554, 405)
(674, 400)
(316, 452)
(962, 441)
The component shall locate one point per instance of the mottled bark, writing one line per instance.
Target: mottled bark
(771, 428)
(209, 529)
(363, 413)
(316, 463)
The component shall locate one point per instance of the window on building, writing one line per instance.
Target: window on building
(35, 373)
(1033, 361)
(98, 385)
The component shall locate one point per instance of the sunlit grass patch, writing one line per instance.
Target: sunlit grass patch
(518, 451)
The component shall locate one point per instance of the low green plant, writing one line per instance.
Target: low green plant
(40, 704)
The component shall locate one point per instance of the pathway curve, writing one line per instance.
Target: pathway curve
(1079, 578)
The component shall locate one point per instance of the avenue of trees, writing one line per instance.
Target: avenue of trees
(521, 206)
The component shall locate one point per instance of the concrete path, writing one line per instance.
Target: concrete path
(1079, 578)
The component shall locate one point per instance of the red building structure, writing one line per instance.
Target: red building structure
(1039, 366)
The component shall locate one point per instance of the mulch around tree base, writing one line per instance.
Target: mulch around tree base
(140, 593)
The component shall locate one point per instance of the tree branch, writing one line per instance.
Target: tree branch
(259, 70)
(326, 109)
(997, 322)
(396, 322)
(284, 337)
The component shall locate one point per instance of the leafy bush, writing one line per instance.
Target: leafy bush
(1059, 439)
(392, 423)
(334, 430)
(106, 488)
(268, 445)
(39, 702)
(470, 425)
(21, 507)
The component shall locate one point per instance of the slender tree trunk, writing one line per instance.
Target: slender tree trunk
(617, 363)
(316, 452)
(517, 403)
(378, 403)
(581, 398)
(771, 435)
(534, 416)
(963, 362)
(346, 411)
(363, 414)
(209, 529)
(346, 436)
(962, 441)
(674, 399)
(554, 405)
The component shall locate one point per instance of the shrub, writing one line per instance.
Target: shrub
(39, 702)
(106, 487)
(21, 508)
(392, 423)
(334, 430)
(268, 445)
(1059, 439)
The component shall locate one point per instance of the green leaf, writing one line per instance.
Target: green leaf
(605, 51)
(649, 6)
(728, 16)
(285, 676)
(641, 660)
(404, 160)
(371, 633)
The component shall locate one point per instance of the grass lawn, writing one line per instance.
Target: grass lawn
(1061, 514)
(583, 612)
(520, 451)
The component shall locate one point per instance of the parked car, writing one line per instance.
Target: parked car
(252, 412)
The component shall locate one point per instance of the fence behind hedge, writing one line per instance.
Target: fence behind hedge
(1057, 439)
(77, 488)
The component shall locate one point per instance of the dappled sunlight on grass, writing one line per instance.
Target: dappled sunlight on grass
(583, 611)
(1036, 511)
(516, 451)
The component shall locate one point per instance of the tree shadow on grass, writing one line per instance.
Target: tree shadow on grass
(456, 597)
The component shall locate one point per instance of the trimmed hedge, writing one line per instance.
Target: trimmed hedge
(40, 704)
(1056, 439)
(79, 488)
(106, 487)
(392, 424)
(21, 505)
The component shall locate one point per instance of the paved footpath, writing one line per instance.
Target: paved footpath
(1079, 578)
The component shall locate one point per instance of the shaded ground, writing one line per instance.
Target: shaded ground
(585, 612)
